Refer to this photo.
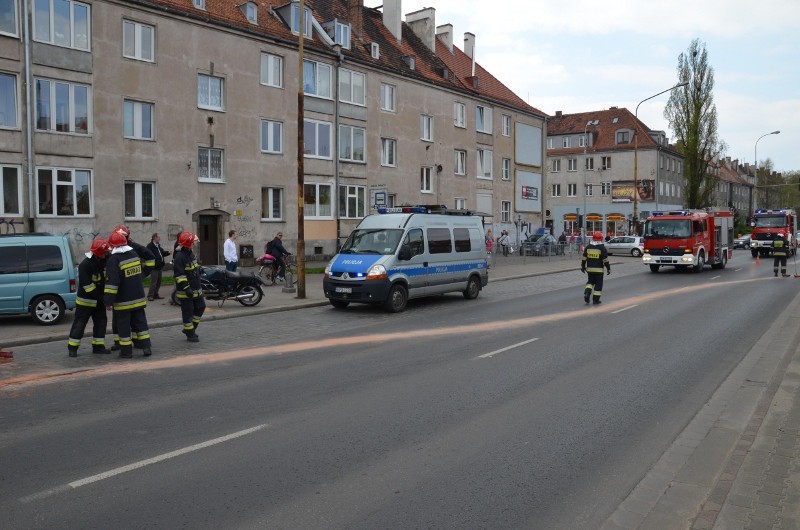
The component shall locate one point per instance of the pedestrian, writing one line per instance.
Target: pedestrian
(155, 274)
(89, 302)
(562, 239)
(489, 246)
(780, 249)
(187, 283)
(278, 251)
(595, 257)
(229, 251)
(148, 262)
(124, 292)
(505, 242)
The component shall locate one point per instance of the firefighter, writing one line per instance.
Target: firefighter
(595, 257)
(187, 283)
(125, 293)
(89, 303)
(148, 262)
(780, 249)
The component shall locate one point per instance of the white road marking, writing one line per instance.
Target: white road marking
(737, 270)
(624, 309)
(501, 350)
(715, 277)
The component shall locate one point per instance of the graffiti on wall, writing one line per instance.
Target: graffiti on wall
(80, 237)
(244, 221)
(9, 226)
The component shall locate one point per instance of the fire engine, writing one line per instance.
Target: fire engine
(767, 224)
(688, 239)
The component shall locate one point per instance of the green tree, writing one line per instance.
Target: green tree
(692, 116)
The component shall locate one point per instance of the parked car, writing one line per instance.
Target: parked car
(542, 245)
(742, 242)
(632, 245)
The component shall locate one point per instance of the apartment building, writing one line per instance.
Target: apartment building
(171, 115)
(733, 188)
(590, 171)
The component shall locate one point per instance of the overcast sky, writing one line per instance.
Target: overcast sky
(586, 55)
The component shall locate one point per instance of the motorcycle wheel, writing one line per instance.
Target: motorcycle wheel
(253, 290)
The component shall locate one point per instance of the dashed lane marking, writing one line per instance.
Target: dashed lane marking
(501, 350)
(624, 309)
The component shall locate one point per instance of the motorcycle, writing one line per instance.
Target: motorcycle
(220, 285)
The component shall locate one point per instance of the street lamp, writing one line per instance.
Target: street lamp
(755, 149)
(585, 161)
(636, 156)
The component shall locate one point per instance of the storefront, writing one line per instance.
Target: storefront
(594, 223)
(617, 224)
(571, 225)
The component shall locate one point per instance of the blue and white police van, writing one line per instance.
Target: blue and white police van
(408, 252)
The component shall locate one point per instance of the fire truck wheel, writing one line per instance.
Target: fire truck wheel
(701, 261)
(654, 268)
(754, 253)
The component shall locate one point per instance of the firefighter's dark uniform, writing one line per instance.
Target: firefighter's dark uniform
(189, 295)
(89, 304)
(780, 250)
(148, 262)
(125, 293)
(595, 257)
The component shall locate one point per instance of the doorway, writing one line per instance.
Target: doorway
(208, 233)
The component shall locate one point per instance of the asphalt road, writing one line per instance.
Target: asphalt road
(524, 408)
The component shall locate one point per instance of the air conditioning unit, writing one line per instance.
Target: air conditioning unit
(216, 205)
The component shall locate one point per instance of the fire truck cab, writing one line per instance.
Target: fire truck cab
(688, 239)
(766, 226)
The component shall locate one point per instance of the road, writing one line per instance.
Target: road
(524, 408)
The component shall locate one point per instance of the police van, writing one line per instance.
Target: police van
(408, 252)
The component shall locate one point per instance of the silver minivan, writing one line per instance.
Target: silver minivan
(403, 253)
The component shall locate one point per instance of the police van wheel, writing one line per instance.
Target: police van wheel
(473, 289)
(47, 310)
(398, 297)
(338, 304)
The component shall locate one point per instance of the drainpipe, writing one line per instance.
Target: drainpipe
(337, 48)
(28, 117)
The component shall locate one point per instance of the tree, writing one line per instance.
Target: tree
(692, 117)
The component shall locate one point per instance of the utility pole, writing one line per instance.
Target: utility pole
(301, 243)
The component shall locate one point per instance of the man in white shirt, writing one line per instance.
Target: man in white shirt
(229, 251)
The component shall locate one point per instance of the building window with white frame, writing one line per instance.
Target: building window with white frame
(317, 139)
(388, 152)
(271, 137)
(317, 79)
(272, 70)
(352, 202)
(317, 201)
(572, 164)
(140, 200)
(210, 165)
(62, 23)
(8, 18)
(549, 143)
(63, 107)
(606, 162)
(460, 204)
(351, 143)
(63, 192)
(199, 4)
(342, 35)
(460, 166)
(426, 128)
(459, 115)
(572, 190)
(588, 190)
(565, 142)
(296, 20)
(352, 87)
(556, 165)
(388, 97)
(605, 188)
(426, 179)
(556, 190)
(271, 204)
(506, 125)
(661, 162)
(251, 12)
(483, 119)
(505, 173)
(138, 41)
(9, 115)
(582, 141)
(138, 120)
(11, 203)
(375, 50)
(210, 92)
(505, 211)
(589, 163)
(623, 137)
(484, 164)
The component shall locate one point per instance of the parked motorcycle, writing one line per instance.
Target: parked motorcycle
(220, 285)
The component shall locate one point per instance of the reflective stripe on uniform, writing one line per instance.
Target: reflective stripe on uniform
(130, 304)
(86, 302)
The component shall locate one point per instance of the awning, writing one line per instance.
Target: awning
(570, 217)
(615, 217)
(594, 217)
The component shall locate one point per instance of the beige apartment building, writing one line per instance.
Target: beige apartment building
(171, 115)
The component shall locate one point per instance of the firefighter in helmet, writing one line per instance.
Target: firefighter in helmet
(595, 257)
(148, 262)
(89, 303)
(780, 250)
(125, 293)
(187, 283)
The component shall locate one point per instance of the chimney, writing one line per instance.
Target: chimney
(423, 23)
(392, 10)
(558, 114)
(469, 48)
(445, 34)
(355, 12)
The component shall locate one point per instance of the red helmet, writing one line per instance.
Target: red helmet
(117, 239)
(100, 247)
(597, 236)
(187, 239)
(122, 229)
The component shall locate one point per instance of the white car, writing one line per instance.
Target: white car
(633, 245)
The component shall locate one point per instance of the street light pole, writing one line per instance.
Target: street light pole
(585, 161)
(301, 244)
(636, 156)
(755, 149)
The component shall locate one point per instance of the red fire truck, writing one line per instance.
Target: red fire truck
(767, 224)
(688, 239)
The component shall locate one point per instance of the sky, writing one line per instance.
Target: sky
(586, 55)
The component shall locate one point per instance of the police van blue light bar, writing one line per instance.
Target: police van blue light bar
(404, 209)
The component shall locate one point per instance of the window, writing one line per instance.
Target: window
(342, 35)
(460, 162)
(483, 119)
(8, 101)
(484, 165)
(8, 17)
(317, 138)
(62, 106)
(272, 204)
(506, 125)
(317, 201)
(426, 180)
(351, 143)
(461, 204)
(62, 192)
(588, 190)
(351, 87)
(11, 191)
(565, 142)
(505, 211)
(271, 70)
(661, 162)
(62, 23)
(388, 152)
(375, 50)
(138, 41)
(199, 4)
(572, 164)
(426, 128)
(140, 200)
(296, 20)
(606, 162)
(605, 188)
(506, 169)
(352, 201)
(271, 136)
(44, 258)
(572, 190)
(439, 241)
(251, 12)
(556, 190)
(582, 141)
(138, 120)
(210, 92)
(459, 115)
(589, 164)
(210, 165)
(317, 79)
(623, 137)
(387, 97)
(556, 165)
(415, 240)
(549, 143)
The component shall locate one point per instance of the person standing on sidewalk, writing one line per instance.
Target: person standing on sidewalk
(595, 257)
(155, 274)
(89, 303)
(780, 249)
(229, 251)
(187, 283)
(148, 262)
(505, 242)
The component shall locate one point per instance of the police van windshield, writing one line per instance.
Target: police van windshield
(770, 221)
(668, 228)
(372, 241)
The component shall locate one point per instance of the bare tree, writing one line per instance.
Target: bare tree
(692, 117)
